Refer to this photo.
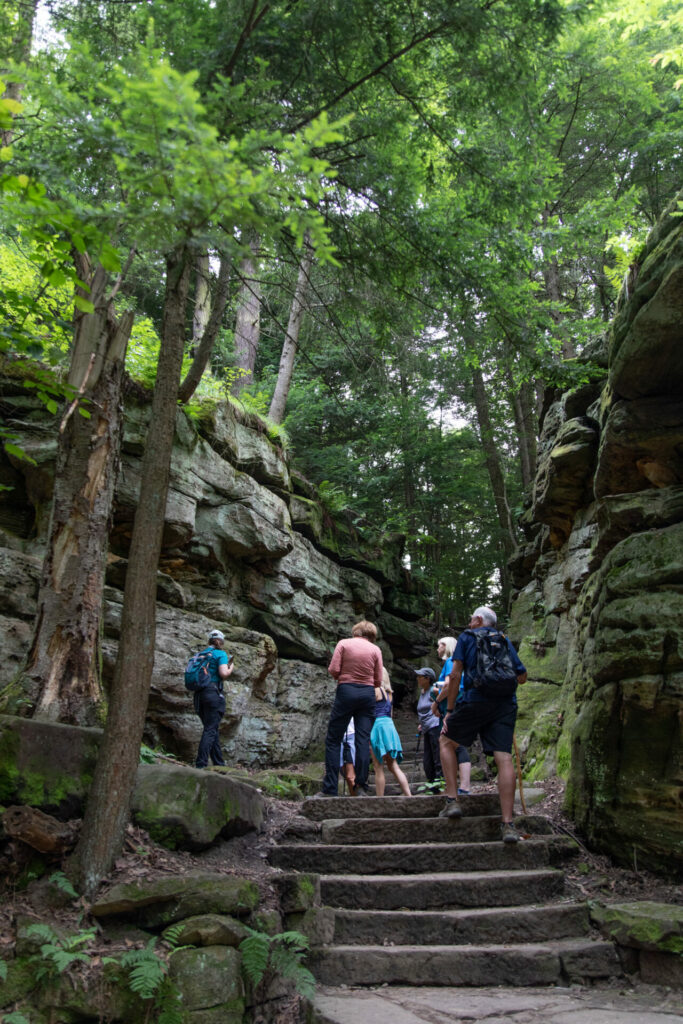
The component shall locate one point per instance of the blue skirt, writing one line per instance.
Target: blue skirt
(384, 739)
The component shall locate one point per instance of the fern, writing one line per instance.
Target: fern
(15, 1018)
(255, 950)
(281, 955)
(63, 884)
(172, 934)
(146, 970)
(57, 954)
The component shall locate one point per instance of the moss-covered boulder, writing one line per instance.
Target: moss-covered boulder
(642, 925)
(161, 901)
(46, 765)
(188, 808)
(210, 980)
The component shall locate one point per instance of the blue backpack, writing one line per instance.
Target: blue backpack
(198, 674)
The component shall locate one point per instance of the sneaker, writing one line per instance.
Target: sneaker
(321, 795)
(463, 792)
(451, 810)
(508, 832)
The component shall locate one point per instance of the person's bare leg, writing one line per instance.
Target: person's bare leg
(398, 774)
(465, 772)
(506, 784)
(379, 775)
(449, 763)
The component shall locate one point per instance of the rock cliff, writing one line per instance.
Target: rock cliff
(599, 610)
(247, 548)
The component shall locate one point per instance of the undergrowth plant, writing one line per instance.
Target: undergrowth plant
(268, 956)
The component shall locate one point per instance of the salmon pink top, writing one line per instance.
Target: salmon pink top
(357, 660)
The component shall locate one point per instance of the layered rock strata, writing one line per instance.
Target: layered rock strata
(600, 606)
(246, 549)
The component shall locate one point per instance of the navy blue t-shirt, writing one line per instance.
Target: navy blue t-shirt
(466, 652)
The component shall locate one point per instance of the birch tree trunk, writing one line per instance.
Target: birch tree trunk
(62, 673)
(108, 804)
(248, 319)
(291, 342)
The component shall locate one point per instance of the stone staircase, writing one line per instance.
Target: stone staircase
(420, 900)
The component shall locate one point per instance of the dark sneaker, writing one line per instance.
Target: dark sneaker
(321, 795)
(509, 833)
(463, 792)
(451, 810)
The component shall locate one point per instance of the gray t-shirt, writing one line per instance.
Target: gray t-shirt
(424, 712)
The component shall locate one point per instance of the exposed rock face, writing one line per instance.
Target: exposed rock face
(600, 610)
(246, 549)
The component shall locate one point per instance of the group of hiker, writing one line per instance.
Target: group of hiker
(474, 695)
(477, 697)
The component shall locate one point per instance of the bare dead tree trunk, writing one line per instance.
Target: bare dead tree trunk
(248, 319)
(209, 335)
(109, 798)
(202, 300)
(495, 471)
(291, 342)
(62, 673)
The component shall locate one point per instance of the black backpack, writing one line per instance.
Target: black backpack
(494, 674)
(197, 673)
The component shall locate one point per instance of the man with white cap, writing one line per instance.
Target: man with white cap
(209, 702)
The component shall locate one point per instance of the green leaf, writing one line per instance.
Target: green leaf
(85, 305)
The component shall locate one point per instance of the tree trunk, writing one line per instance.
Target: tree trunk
(523, 415)
(551, 278)
(209, 335)
(109, 798)
(289, 347)
(62, 674)
(202, 300)
(248, 320)
(20, 50)
(495, 471)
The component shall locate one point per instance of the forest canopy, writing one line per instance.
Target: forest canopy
(403, 226)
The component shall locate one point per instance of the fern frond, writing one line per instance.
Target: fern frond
(255, 950)
(41, 931)
(63, 884)
(294, 939)
(172, 934)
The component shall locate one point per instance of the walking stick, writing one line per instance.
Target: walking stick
(519, 775)
(417, 747)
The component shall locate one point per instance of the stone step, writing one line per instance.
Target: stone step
(461, 927)
(385, 831)
(336, 807)
(407, 858)
(525, 964)
(440, 890)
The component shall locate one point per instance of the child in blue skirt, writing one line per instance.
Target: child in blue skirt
(385, 745)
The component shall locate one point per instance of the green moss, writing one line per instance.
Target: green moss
(20, 981)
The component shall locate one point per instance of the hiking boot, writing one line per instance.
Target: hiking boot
(451, 810)
(509, 833)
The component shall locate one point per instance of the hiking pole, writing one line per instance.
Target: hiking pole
(519, 775)
(417, 747)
